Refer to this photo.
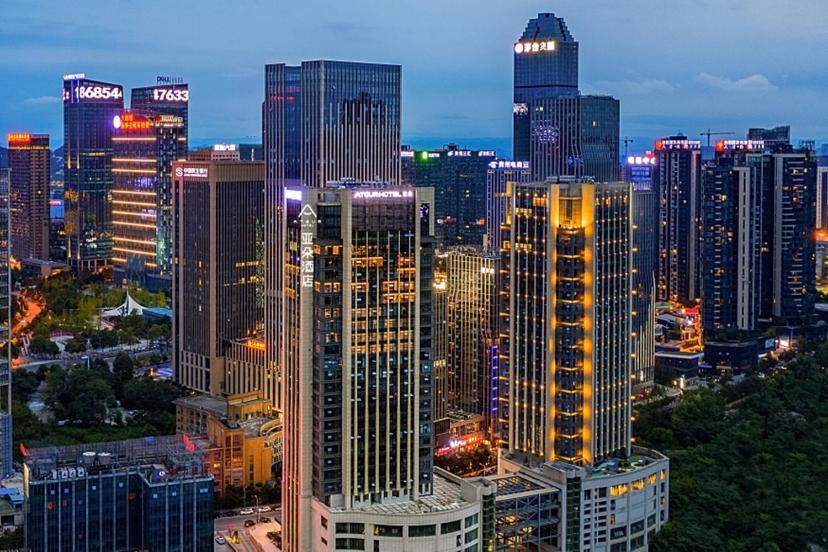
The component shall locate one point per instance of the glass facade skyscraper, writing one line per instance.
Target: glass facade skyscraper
(555, 128)
(88, 110)
(171, 98)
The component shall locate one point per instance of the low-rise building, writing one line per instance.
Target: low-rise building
(147, 494)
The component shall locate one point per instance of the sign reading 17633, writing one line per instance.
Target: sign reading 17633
(308, 218)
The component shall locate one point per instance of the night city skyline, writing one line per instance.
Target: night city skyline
(671, 66)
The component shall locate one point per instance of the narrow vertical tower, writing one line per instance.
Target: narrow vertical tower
(6, 467)
(568, 372)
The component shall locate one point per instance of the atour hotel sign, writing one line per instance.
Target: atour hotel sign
(308, 218)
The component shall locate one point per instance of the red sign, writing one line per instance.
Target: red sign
(19, 138)
(129, 122)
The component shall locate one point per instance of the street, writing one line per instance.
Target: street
(251, 538)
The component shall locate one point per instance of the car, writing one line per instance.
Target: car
(220, 540)
(264, 509)
(249, 523)
(246, 511)
(264, 520)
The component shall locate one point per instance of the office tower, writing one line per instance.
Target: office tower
(29, 157)
(569, 280)
(776, 136)
(600, 137)
(88, 110)
(152, 493)
(545, 67)
(458, 177)
(144, 149)
(322, 121)
(500, 172)
(560, 132)
(358, 381)
(645, 213)
(472, 332)
(6, 467)
(567, 373)
(439, 301)
(218, 208)
(251, 152)
(170, 96)
(678, 180)
(822, 197)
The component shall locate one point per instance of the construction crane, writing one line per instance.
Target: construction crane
(710, 133)
(627, 142)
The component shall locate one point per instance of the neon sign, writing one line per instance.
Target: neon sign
(459, 153)
(308, 217)
(486, 153)
(509, 165)
(19, 138)
(534, 47)
(128, 122)
(646, 159)
(384, 194)
(224, 147)
(98, 92)
(746, 145)
(407, 153)
(678, 144)
(74, 76)
(192, 172)
(170, 95)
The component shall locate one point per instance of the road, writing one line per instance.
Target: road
(225, 525)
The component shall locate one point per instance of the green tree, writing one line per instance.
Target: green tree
(43, 346)
(123, 369)
(77, 344)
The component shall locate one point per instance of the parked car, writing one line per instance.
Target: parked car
(249, 523)
(264, 509)
(264, 520)
(246, 511)
(220, 540)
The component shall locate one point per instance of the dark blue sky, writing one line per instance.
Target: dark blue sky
(676, 65)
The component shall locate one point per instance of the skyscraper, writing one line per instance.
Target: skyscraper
(758, 248)
(88, 110)
(29, 157)
(458, 177)
(217, 212)
(358, 378)
(170, 96)
(560, 132)
(322, 121)
(822, 197)
(678, 180)
(645, 213)
(566, 376)
(569, 320)
(6, 466)
(776, 136)
(145, 148)
(472, 318)
(500, 172)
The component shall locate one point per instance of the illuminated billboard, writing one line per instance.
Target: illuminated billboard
(87, 91)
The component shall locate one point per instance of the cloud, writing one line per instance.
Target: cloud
(752, 83)
(641, 87)
(42, 100)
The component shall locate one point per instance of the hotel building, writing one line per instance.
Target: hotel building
(29, 157)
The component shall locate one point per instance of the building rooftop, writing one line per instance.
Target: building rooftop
(447, 496)
(205, 403)
(166, 455)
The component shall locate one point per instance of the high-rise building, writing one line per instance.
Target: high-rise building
(566, 377)
(218, 209)
(759, 244)
(560, 132)
(458, 177)
(569, 320)
(822, 197)
(500, 172)
(645, 213)
(29, 157)
(152, 493)
(88, 110)
(439, 301)
(145, 148)
(170, 96)
(472, 318)
(358, 383)
(6, 466)
(678, 180)
(322, 121)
